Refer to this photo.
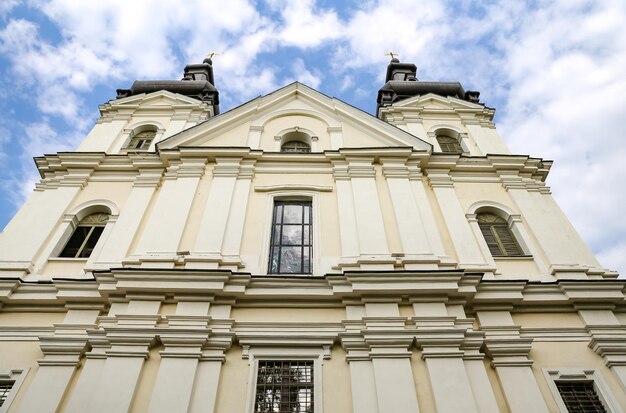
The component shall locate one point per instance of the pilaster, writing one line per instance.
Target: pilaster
(159, 242)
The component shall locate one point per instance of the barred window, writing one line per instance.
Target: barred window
(498, 236)
(142, 140)
(5, 389)
(580, 396)
(284, 387)
(449, 144)
(85, 236)
(291, 244)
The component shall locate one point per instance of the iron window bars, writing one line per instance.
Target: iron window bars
(284, 386)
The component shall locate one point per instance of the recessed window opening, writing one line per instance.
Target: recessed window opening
(448, 144)
(498, 235)
(291, 245)
(142, 140)
(5, 389)
(284, 386)
(580, 396)
(85, 237)
(295, 142)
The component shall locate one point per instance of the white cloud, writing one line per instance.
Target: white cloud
(303, 75)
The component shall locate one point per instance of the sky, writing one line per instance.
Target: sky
(554, 70)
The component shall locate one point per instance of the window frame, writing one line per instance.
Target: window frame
(315, 354)
(455, 142)
(274, 245)
(554, 375)
(87, 237)
(291, 195)
(17, 376)
(143, 146)
(499, 242)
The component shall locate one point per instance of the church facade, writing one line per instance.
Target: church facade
(296, 254)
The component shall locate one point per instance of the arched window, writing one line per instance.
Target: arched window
(498, 235)
(449, 144)
(85, 236)
(295, 146)
(295, 141)
(142, 140)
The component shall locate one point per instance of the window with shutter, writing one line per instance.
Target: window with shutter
(5, 389)
(498, 236)
(449, 144)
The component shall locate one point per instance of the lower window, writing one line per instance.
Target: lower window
(580, 390)
(10, 382)
(580, 396)
(284, 386)
(5, 389)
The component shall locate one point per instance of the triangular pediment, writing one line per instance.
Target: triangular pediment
(433, 101)
(298, 103)
(158, 99)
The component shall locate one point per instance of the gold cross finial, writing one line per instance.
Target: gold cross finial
(210, 55)
(392, 54)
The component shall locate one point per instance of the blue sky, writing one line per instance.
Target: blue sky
(554, 70)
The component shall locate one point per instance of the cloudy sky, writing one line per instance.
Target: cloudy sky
(555, 71)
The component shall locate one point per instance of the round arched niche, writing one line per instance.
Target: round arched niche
(308, 130)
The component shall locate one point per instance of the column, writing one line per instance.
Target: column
(467, 250)
(391, 362)
(121, 237)
(168, 218)
(336, 137)
(186, 333)
(410, 226)
(231, 247)
(218, 211)
(347, 221)
(425, 210)
(103, 135)
(509, 354)
(441, 340)
(125, 357)
(563, 247)
(608, 338)
(395, 387)
(369, 218)
(62, 352)
(26, 234)
(254, 136)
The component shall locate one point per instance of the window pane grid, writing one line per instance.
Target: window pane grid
(85, 237)
(291, 244)
(5, 389)
(580, 396)
(284, 387)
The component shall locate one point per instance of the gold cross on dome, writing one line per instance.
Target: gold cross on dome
(392, 54)
(210, 55)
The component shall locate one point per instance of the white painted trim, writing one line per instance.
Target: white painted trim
(16, 375)
(291, 195)
(553, 375)
(292, 187)
(315, 354)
